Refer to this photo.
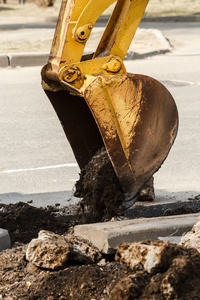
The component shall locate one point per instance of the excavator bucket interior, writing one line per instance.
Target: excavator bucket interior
(99, 104)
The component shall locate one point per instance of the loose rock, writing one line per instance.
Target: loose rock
(49, 250)
(125, 290)
(167, 271)
(192, 238)
(82, 250)
(52, 251)
(146, 256)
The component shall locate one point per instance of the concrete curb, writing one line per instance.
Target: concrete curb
(4, 61)
(28, 59)
(5, 242)
(145, 19)
(174, 19)
(50, 22)
(40, 59)
(107, 236)
(23, 59)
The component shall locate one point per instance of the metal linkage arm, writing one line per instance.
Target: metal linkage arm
(75, 23)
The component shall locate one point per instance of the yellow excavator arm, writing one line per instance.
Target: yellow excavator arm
(75, 23)
(98, 103)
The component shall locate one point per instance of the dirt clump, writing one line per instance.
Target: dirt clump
(24, 221)
(100, 189)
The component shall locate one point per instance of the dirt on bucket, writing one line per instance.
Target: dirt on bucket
(100, 189)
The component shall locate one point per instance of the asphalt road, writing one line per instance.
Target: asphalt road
(36, 162)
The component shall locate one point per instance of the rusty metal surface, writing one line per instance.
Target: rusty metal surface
(138, 121)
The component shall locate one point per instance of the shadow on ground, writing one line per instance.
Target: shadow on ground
(5, 8)
(64, 198)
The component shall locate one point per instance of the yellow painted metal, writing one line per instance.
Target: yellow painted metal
(58, 42)
(71, 74)
(75, 23)
(82, 33)
(121, 27)
(117, 109)
(85, 14)
(91, 68)
(92, 11)
(114, 65)
(138, 121)
(76, 20)
(65, 48)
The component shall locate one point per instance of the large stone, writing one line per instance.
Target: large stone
(49, 250)
(146, 256)
(52, 251)
(82, 250)
(192, 238)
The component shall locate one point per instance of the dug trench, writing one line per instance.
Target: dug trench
(95, 275)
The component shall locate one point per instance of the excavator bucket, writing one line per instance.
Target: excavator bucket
(99, 104)
(138, 121)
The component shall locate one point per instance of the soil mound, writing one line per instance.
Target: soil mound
(24, 221)
(176, 278)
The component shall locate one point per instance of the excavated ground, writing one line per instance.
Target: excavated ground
(112, 279)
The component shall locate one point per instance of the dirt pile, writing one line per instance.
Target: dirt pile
(100, 189)
(24, 221)
(175, 274)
